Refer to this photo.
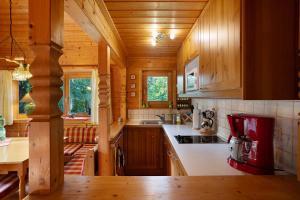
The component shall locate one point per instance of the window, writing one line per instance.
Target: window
(61, 101)
(77, 94)
(157, 89)
(76, 99)
(24, 89)
(80, 96)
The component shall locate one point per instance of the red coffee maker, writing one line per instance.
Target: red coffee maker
(251, 143)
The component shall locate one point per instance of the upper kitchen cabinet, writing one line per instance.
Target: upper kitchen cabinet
(193, 42)
(188, 51)
(247, 50)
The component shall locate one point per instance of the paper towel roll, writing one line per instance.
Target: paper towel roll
(196, 117)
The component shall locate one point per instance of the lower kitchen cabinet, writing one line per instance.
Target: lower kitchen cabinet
(173, 166)
(144, 151)
(118, 155)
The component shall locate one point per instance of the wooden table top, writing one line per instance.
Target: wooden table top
(16, 152)
(173, 188)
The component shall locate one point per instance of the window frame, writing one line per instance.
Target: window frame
(66, 95)
(157, 73)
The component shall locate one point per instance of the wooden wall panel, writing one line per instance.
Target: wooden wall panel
(20, 28)
(115, 91)
(136, 65)
(78, 49)
(270, 39)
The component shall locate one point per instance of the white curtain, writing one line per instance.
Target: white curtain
(6, 96)
(95, 97)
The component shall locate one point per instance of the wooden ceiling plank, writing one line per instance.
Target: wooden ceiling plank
(156, 14)
(155, 1)
(152, 20)
(151, 26)
(155, 6)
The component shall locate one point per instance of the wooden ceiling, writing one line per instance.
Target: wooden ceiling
(136, 19)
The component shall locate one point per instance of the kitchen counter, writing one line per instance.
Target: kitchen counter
(200, 159)
(177, 188)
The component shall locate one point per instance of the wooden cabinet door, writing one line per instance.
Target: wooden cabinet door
(220, 46)
(180, 72)
(173, 165)
(193, 40)
(120, 156)
(144, 151)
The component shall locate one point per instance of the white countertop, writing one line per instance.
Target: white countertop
(200, 159)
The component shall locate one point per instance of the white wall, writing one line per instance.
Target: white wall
(284, 112)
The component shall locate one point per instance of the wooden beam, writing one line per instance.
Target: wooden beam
(298, 150)
(123, 105)
(95, 20)
(46, 159)
(105, 168)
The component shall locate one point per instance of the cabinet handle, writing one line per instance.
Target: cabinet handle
(203, 88)
(170, 154)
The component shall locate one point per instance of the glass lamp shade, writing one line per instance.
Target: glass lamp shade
(21, 73)
(27, 99)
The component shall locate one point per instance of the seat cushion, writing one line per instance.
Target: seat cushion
(8, 183)
(70, 149)
(84, 149)
(74, 166)
(80, 134)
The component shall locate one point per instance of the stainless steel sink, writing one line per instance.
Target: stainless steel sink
(151, 122)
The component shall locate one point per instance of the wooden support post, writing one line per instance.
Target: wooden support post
(46, 172)
(104, 109)
(298, 153)
(123, 94)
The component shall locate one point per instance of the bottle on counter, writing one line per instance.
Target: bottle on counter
(178, 118)
(196, 118)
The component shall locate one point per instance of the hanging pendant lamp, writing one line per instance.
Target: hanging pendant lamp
(21, 73)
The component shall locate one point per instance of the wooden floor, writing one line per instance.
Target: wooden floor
(173, 188)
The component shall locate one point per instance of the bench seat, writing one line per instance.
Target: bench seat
(70, 149)
(80, 150)
(75, 166)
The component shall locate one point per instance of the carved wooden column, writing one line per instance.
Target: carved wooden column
(46, 173)
(123, 94)
(104, 109)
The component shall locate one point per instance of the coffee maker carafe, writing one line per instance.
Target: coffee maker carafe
(251, 143)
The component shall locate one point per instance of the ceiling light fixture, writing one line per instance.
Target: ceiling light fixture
(153, 42)
(172, 35)
(158, 36)
(22, 72)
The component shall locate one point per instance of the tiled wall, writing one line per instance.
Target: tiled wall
(284, 112)
(137, 114)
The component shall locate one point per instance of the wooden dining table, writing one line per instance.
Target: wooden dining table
(15, 157)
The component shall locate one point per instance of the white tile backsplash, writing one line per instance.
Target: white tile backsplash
(150, 114)
(286, 119)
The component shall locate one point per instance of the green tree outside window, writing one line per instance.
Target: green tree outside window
(24, 88)
(157, 88)
(80, 96)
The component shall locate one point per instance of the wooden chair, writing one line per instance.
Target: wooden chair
(9, 183)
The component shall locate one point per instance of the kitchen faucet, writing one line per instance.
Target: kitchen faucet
(162, 117)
